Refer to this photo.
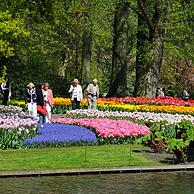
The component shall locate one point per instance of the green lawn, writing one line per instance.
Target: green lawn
(72, 157)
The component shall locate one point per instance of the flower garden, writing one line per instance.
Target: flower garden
(15, 127)
(165, 124)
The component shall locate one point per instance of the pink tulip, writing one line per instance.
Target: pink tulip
(108, 127)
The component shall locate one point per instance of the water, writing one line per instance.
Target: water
(137, 183)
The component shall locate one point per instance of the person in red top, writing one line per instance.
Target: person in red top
(48, 100)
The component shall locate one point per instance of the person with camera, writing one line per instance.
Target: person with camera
(92, 94)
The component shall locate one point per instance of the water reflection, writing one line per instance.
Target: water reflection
(140, 183)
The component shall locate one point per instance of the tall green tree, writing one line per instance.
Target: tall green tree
(10, 30)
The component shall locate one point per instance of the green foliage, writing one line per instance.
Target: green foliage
(2, 73)
(115, 140)
(59, 109)
(176, 137)
(43, 41)
(10, 30)
(178, 47)
(14, 138)
(143, 140)
(177, 144)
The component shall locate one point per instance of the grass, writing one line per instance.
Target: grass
(72, 157)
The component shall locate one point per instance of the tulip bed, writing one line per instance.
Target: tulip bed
(15, 126)
(134, 100)
(144, 117)
(167, 100)
(165, 104)
(130, 104)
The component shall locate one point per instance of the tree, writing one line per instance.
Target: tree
(87, 39)
(86, 58)
(149, 47)
(10, 29)
(118, 85)
(177, 69)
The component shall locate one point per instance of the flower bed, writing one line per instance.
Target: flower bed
(108, 127)
(13, 121)
(164, 104)
(10, 109)
(157, 101)
(167, 105)
(13, 138)
(147, 108)
(15, 126)
(137, 116)
(109, 131)
(12, 117)
(134, 100)
(55, 134)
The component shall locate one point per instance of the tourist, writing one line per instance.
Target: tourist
(92, 94)
(30, 99)
(41, 109)
(76, 94)
(160, 93)
(185, 95)
(48, 100)
(6, 90)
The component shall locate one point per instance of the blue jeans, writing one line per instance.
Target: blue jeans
(42, 119)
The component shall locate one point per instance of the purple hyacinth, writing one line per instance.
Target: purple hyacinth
(60, 133)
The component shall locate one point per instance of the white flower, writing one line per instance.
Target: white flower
(146, 116)
(19, 132)
(20, 129)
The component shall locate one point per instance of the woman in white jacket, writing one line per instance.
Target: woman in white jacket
(76, 94)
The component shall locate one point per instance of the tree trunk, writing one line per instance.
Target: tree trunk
(86, 59)
(118, 85)
(149, 50)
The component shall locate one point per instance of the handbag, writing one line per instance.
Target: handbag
(41, 109)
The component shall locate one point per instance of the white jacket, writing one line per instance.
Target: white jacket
(76, 91)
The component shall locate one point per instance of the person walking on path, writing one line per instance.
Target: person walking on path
(92, 94)
(48, 101)
(30, 99)
(76, 94)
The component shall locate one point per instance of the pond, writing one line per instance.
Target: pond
(137, 183)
